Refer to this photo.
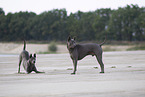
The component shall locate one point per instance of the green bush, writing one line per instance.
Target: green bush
(52, 47)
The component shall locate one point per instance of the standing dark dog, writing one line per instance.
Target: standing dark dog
(28, 61)
(79, 51)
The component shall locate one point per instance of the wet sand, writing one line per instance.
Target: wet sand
(124, 76)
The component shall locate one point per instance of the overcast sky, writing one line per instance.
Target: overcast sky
(39, 6)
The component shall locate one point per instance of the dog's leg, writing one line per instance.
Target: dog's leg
(29, 72)
(20, 60)
(39, 72)
(35, 70)
(75, 66)
(99, 58)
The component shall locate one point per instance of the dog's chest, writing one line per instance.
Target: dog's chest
(73, 54)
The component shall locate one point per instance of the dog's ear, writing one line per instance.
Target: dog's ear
(34, 55)
(30, 55)
(69, 38)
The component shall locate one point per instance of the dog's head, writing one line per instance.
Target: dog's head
(32, 59)
(71, 42)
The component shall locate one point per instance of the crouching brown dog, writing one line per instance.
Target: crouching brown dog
(79, 51)
(28, 61)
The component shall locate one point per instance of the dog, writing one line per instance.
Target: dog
(79, 51)
(28, 61)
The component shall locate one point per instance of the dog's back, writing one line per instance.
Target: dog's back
(24, 55)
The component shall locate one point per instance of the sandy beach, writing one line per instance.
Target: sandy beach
(15, 48)
(124, 76)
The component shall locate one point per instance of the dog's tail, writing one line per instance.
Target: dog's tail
(24, 45)
(103, 42)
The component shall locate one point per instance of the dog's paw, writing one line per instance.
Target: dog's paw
(73, 73)
(101, 72)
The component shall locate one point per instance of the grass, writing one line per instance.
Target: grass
(113, 67)
(96, 67)
(129, 66)
(47, 52)
(108, 48)
(52, 49)
(137, 47)
(70, 69)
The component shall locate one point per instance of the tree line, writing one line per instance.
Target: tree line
(122, 24)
